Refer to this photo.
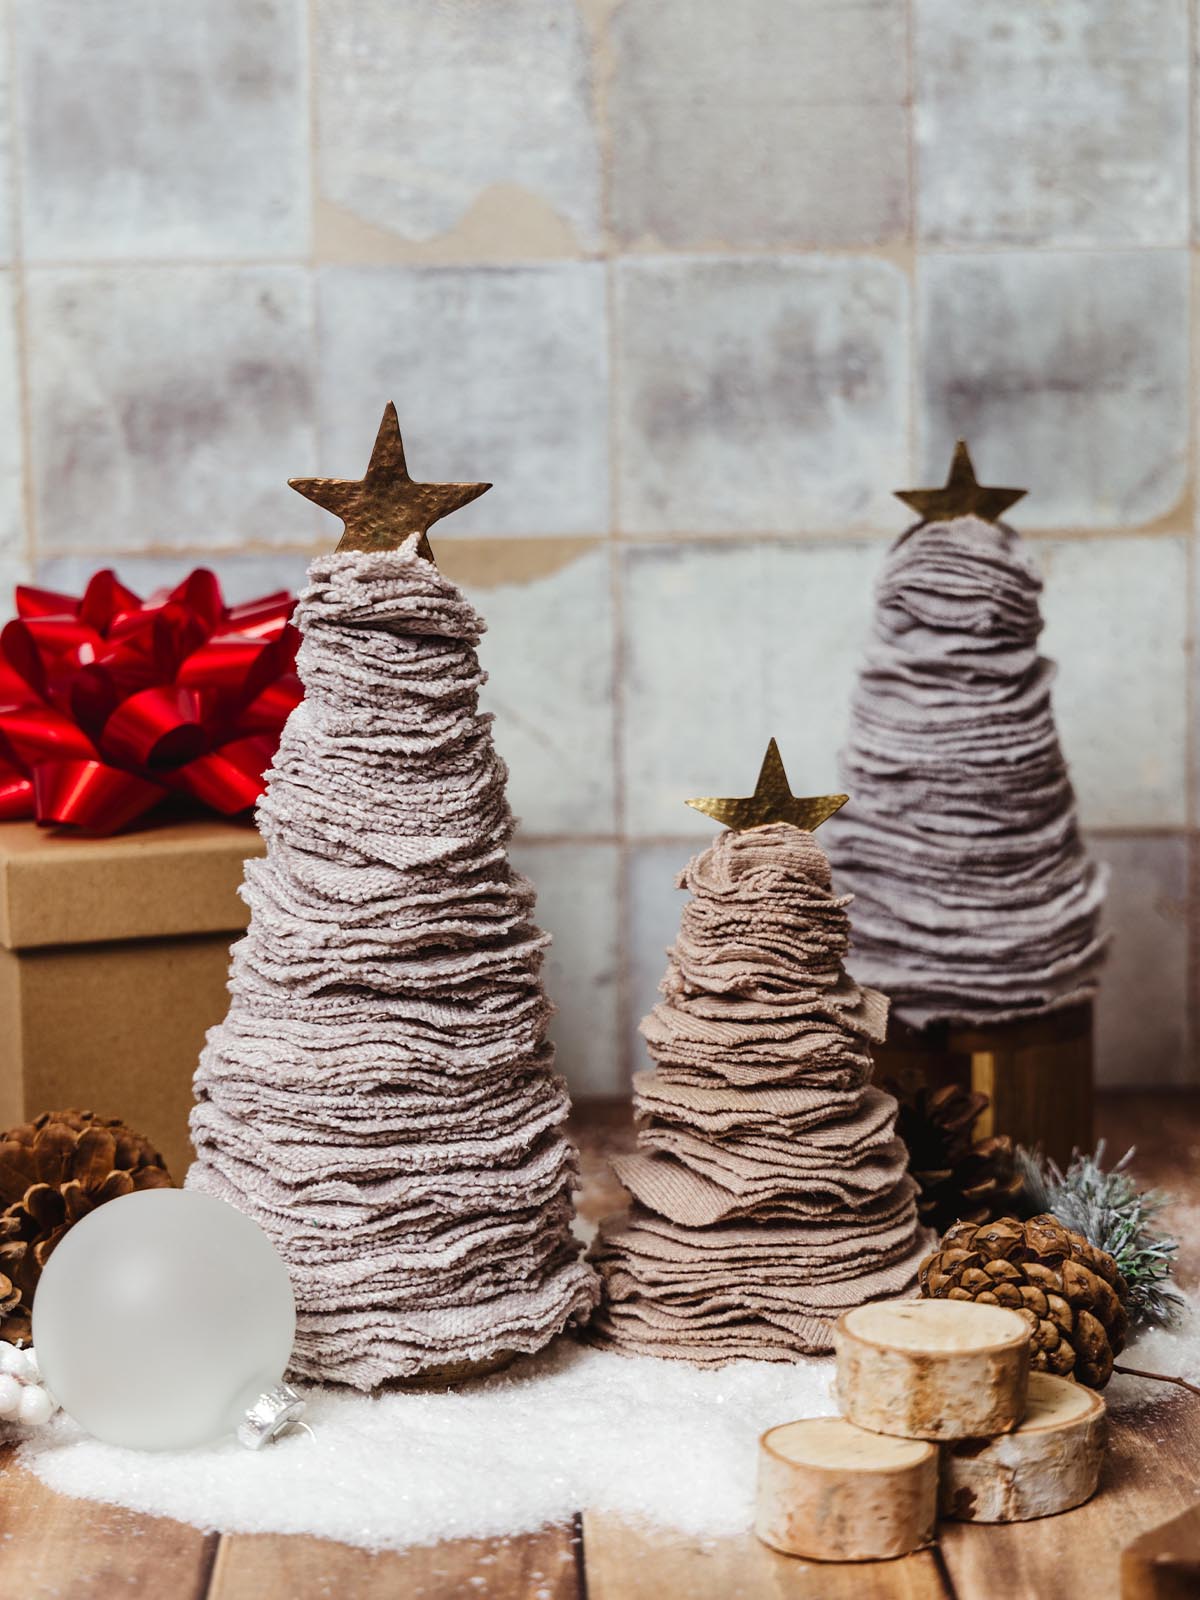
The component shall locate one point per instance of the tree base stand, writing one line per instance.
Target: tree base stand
(1037, 1074)
(451, 1373)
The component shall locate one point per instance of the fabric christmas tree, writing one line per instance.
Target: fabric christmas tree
(769, 1186)
(974, 899)
(381, 1096)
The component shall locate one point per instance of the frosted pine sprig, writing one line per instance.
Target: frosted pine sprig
(1112, 1213)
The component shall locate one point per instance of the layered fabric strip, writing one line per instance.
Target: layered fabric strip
(974, 899)
(769, 1187)
(381, 1097)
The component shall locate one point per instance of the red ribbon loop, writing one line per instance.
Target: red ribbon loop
(109, 704)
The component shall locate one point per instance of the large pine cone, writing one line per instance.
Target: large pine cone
(957, 1179)
(1071, 1293)
(53, 1171)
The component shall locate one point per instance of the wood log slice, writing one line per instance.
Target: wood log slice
(1049, 1463)
(830, 1492)
(932, 1369)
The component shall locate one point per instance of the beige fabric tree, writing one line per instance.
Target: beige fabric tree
(381, 1096)
(974, 898)
(769, 1188)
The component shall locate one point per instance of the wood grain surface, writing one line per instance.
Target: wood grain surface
(53, 1548)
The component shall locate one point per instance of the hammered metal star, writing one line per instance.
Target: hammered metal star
(772, 801)
(962, 495)
(384, 507)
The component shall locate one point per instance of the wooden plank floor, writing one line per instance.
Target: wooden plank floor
(52, 1548)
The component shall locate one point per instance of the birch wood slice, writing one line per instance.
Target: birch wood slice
(932, 1369)
(1049, 1463)
(830, 1492)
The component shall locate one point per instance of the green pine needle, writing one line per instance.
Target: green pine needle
(1109, 1210)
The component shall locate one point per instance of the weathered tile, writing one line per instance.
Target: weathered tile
(759, 124)
(13, 570)
(577, 904)
(169, 406)
(12, 505)
(1052, 124)
(760, 395)
(6, 150)
(654, 906)
(155, 133)
(1142, 1013)
(548, 653)
(243, 575)
(423, 111)
(1116, 624)
(1067, 373)
(725, 648)
(497, 373)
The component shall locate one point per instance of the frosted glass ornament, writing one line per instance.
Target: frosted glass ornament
(165, 1320)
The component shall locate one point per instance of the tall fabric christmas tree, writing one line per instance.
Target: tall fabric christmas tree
(769, 1187)
(974, 899)
(381, 1096)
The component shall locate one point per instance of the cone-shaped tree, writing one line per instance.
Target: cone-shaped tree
(974, 899)
(769, 1187)
(381, 1095)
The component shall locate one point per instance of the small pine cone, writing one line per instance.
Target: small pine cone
(1071, 1294)
(957, 1179)
(53, 1171)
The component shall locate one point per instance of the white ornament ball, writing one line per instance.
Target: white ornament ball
(10, 1395)
(161, 1318)
(35, 1408)
(14, 1361)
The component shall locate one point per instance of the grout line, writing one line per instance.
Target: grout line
(914, 265)
(1191, 1014)
(804, 538)
(315, 341)
(20, 303)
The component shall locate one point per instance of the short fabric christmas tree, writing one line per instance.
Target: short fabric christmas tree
(769, 1187)
(381, 1096)
(974, 899)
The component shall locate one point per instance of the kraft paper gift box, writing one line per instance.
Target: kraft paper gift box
(113, 961)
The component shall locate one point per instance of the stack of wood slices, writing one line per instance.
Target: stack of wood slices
(940, 1415)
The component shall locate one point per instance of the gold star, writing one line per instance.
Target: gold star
(384, 507)
(772, 801)
(961, 495)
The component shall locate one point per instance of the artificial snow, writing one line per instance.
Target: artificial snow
(651, 1440)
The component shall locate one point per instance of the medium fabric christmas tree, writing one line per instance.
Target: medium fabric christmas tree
(974, 899)
(381, 1095)
(769, 1186)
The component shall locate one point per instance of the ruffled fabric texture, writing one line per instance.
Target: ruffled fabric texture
(769, 1186)
(974, 900)
(381, 1096)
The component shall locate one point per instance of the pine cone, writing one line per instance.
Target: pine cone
(1071, 1293)
(957, 1179)
(53, 1171)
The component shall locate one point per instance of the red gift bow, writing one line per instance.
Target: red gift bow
(108, 704)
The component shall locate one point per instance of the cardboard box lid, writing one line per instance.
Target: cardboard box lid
(179, 878)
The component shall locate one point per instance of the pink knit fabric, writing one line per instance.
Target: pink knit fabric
(769, 1186)
(381, 1096)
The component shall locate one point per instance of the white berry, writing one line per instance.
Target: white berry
(35, 1407)
(10, 1395)
(11, 1359)
(24, 1370)
(32, 1371)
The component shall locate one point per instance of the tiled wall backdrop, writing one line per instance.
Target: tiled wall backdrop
(697, 284)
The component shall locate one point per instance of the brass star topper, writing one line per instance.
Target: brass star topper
(772, 801)
(384, 507)
(962, 495)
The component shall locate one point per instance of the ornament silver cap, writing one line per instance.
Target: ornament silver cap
(275, 1411)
